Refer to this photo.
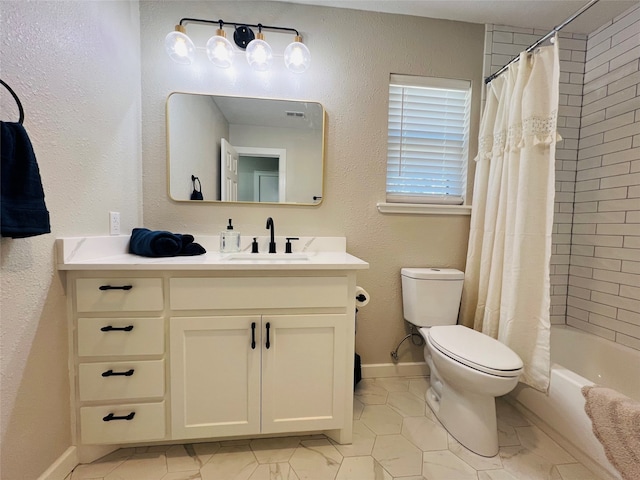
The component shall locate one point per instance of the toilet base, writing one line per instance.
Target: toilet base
(470, 419)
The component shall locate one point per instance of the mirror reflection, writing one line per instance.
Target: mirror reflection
(238, 149)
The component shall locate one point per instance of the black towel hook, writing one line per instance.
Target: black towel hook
(15, 97)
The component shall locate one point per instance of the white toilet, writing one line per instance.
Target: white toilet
(468, 369)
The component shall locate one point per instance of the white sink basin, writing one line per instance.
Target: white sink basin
(273, 257)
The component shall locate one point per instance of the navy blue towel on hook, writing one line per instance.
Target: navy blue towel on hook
(23, 212)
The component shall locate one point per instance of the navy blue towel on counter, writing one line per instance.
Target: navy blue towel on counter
(23, 212)
(160, 243)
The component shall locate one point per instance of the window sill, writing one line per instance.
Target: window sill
(424, 209)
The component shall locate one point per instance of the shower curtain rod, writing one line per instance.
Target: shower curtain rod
(550, 34)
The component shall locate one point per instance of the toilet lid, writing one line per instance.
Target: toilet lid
(432, 273)
(475, 350)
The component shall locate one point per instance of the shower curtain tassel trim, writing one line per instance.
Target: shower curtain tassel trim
(533, 131)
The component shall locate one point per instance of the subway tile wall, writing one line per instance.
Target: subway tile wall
(604, 269)
(595, 265)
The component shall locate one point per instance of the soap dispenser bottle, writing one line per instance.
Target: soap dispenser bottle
(229, 240)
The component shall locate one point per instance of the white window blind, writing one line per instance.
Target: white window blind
(428, 139)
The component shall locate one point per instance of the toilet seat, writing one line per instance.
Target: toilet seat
(475, 350)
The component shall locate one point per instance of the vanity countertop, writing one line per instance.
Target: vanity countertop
(110, 253)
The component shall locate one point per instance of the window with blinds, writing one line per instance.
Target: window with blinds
(428, 140)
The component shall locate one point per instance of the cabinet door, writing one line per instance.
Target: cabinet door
(215, 376)
(304, 368)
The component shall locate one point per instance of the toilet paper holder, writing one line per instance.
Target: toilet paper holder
(362, 297)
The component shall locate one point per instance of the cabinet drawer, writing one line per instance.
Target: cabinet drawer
(119, 294)
(147, 422)
(257, 292)
(121, 380)
(120, 336)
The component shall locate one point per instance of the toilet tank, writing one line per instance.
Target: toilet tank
(431, 296)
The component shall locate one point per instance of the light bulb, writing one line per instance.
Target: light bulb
(297, 56)
(259, 53)
(220, 50)
(179, 46)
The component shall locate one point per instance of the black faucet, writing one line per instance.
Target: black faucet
(272, 243)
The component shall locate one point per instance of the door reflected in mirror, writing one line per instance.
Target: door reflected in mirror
(245, 149)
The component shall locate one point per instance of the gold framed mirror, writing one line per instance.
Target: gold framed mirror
(240, 149)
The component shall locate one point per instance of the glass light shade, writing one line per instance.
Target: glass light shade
(297, 56)
(220, 50)
(179, 46)
(259, 54)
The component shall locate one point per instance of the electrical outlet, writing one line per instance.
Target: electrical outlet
(114, 223)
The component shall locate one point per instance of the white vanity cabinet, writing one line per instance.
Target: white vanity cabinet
(208, 347)
(304, 372)
(119, 365)
(259, 373)
(215, 376)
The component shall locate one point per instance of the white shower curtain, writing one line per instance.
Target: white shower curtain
(506, 288)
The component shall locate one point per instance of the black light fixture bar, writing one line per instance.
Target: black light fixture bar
(220, 50)
(221, 22)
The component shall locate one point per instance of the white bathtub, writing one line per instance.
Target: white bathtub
(579, 359)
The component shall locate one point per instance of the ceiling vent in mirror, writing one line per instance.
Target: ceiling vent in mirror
(221, 51)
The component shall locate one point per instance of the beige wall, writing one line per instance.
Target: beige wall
(193, 118)
(353, 53)
(76, 68)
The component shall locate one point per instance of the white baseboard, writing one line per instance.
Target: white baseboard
(411, 369)
(63, 466)
(91, 453)
(74, 456)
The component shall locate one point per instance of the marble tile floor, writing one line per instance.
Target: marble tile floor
(396, 437)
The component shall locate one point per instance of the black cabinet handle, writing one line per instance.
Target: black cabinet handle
(111, 373)
(253, 335)
(111, 417)
(110, 328)
(109, 287)
(268, 344)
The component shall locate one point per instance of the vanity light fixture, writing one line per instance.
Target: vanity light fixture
(221, 51)
(297, 56)
(179, 46)
(259, 53)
